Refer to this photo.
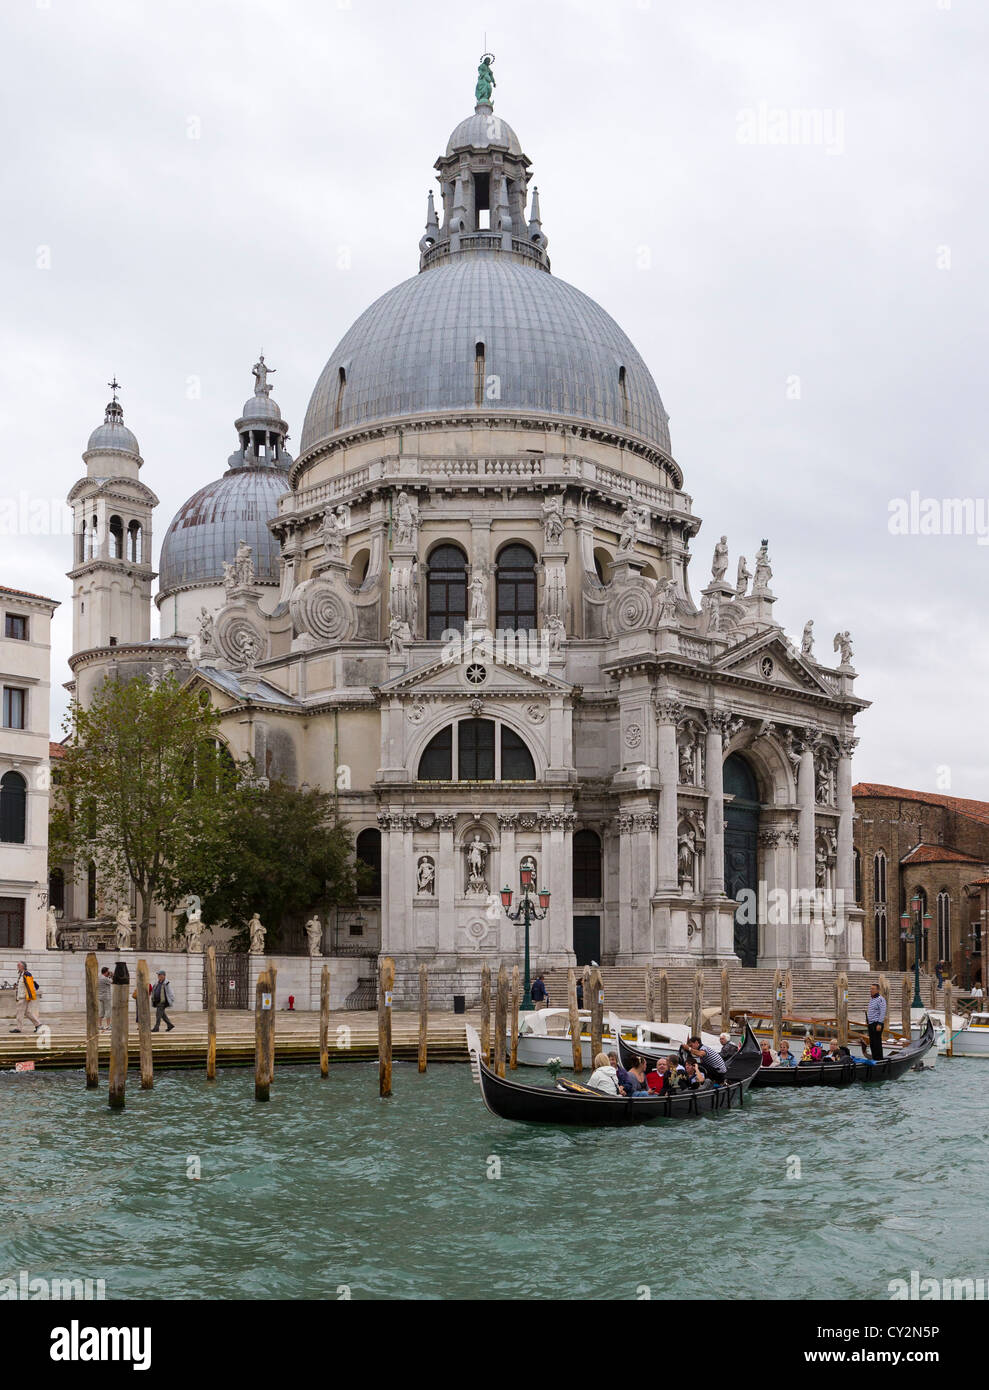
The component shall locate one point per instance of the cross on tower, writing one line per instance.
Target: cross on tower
(114, 386)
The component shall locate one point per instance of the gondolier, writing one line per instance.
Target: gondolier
(711, 1062)
(875, 1017)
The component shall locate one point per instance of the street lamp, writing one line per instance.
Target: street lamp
(526, 912)
(922, 922)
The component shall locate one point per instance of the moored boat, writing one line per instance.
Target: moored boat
(544, 1036)
(745, 1061)
(971, 1038)
(856, 1069)
(570, 1103)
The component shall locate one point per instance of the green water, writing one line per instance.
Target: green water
(328, 1189)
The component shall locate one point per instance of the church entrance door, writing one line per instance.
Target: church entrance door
(587, 939)
(741, 852)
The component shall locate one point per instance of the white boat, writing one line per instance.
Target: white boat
(544, 1035)
(971, 1039)
(917, 1025)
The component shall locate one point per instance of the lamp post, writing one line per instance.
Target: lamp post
(921, 922)
(526, 912)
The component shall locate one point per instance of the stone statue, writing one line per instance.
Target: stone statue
(407, 520)
(51, 929)
(478, 599)
(821, 866)
(477, 854)
(555, 634)
(807, 640)
(668, 602)
(399, 633)
(425, 874)
(205, 632)
(314, 935)
(555, 591)
(414, 597)
(334, 524)
(229, 577)
(552, 520)
(261, 373)
(712, 603)
(686, 755)
(763, 569)
(742, 579)
(843, 643)
(243, 565)
(398, 594)
(193, 924)
(258, 934)
(686, 853)
(719, 564)
(485, 80)
(123, 931)
(632, 518)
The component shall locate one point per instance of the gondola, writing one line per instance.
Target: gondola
(570, 1103)
(848, 1073)
(745, 1063)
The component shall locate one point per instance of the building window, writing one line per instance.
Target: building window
(879, 879)
(920, 893)
(368, 850)
(135, 543)
(446, 591)
(943, 925)
(516, 589)
(56, 890)
(116, 538)
(882, 938)
(478, 753)
(478, 373)
(91, 891)
(857, 861)
(14, 707)
(13, 808)
(15, 625)
(586, 865)
(11, 921)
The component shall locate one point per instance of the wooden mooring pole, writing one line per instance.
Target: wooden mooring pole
(725, 1000)
(262, 1038)
(272, 980)
(423, 1016)
(144, 1026)
(884, 991)
(906, 999)
(841, 1008)
(513, 1060)
(650, 996)
(949, 1030)
(578, 1060)
(324, 1021)
(386, 987)
(92, 1022)
(486, 1013)
(788, 992)
(501, 1021)
(118, 1035)
(664, 998)
(777, 1010)
(209, 965)
(697, 1011)
(597, 1012)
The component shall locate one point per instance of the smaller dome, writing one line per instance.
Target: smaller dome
(260, 408)
(484, 130)
(113, 434)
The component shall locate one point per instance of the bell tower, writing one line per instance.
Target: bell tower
(111, 562)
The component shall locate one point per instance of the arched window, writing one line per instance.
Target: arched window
(56, 890)
(116, 538)
(476, 750)
(879, 879)
(81, 543)
(359, 568)
(943, 925)
(623, 387)
(91, 891)
(882, 937)
(13, 808)
(446, 591)
(857, 858)
(135, 543)
(602, 564)
(341, 388)
(920, 893)
(586, 865)
(516, 589)
(478, 373)
(368, 851)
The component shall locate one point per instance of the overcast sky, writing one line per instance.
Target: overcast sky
(782, 203)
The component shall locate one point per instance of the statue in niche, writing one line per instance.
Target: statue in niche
(555, 634)
(552, 520)
(719, 564)
(477, 855)
(742, 578)
(334, 525)
(821, 866)
(407, 520)
(807, 640)
(686, 755)
(478, 599)
(426, 875)
(632, 518)
(686, 854)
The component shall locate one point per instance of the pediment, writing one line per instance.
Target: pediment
(462, 678)
(770, 659)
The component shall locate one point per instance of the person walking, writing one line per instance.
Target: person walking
(163, 997)
(875, 1017)
(939, 974)
(25, 996)
(538, 993)
(104, 995)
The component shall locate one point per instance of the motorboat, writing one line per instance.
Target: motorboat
(971, 1039)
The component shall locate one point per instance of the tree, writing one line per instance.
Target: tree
(275, 850)
(143, 776)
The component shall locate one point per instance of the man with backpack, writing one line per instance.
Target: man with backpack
(163, 997)
(25, 996)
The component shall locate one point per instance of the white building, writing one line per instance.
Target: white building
(25, 685)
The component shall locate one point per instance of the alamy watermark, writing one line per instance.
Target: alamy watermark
(949, 1289)
(25, 1287)
(940, 516)
(820, 126)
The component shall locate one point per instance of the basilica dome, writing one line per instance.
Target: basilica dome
(550, 349)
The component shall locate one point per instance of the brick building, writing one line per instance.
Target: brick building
(912, 844)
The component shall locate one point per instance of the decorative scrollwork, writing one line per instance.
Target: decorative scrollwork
(318, 608)
(242, 642)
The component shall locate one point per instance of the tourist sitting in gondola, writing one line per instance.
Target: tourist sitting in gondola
(836, 1053)
(696, 1080)
(728, 1048)
(812, 1054)
(636, 1083)
(769, 1057)
(785, 1057)
(604, 1077)
(658, 1080)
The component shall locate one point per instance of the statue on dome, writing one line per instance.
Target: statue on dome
(261, 372)
(720, 562)
(485, 80)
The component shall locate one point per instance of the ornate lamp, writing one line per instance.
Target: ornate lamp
(506, 897)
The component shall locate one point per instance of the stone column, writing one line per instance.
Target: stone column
(508, 874)
(714, 859)
(669, 712)
(625, 883)
(194, 982)
(771, 931)
(446, 886)
(646, 826)
(806, 877)
(560, 878)
(845, 867)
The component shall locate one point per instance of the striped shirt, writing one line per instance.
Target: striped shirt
(876, 1011)
(712, 1061)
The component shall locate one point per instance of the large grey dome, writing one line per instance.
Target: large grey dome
(206, 530)
(552, 349)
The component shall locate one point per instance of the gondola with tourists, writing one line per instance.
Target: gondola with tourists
(572, 1103)
(853, 1071)
(743, 1064)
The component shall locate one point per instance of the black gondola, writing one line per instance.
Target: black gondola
(569, 1103)
(848, 1073)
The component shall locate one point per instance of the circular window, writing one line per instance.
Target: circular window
(476, 674)
(767, 667)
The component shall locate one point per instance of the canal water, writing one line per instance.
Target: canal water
(328, 1191)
